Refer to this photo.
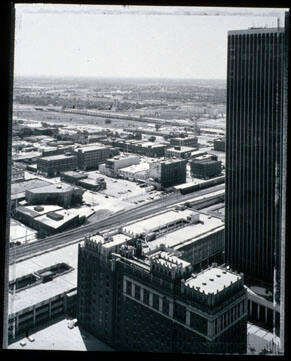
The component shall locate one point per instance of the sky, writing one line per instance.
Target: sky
(132, 41)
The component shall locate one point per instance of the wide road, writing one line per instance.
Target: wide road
(24, 251)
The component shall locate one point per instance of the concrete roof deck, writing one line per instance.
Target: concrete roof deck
(28, 184)
(88, 181)
(189, 232)
(57, 157)
(91, 148)
(212, 280)
(30, 210)
(75, 174)
(256, 30)
(42, 292)
(182, 149)
(44, 219)
(171, 260)
(150, 224)
(118, 239)
(136, 167)
(53, 188)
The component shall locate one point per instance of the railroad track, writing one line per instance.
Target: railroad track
(119, 218)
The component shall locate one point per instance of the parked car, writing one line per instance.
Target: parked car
(30, 338)
(22, 343)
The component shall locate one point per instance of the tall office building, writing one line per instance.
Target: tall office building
(254, 147)
(256, 144)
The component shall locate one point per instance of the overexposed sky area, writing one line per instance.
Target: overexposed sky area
(154, 42)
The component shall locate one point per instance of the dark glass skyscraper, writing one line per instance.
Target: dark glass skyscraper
(255, 151)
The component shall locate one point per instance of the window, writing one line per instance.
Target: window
(128, 287)
(137, 292)
(155, 301)
(146, 297)
(165, 309)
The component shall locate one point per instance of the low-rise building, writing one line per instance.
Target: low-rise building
(135, 172)
(205, 168)
(96, 184)
(18, 189)
(73, 176)
(89, 157)
(48, 150)
(17, 175)
(219, 144)
(41, 289)
(178, 151)
(61, 194)
(191, 141)
(112, 165)
(53, 165)
(47, 220)
(168, 172)
(198, 153)
(148, 149)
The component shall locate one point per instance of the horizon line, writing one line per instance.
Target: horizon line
(111, 77)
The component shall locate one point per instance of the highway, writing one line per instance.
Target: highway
(197, 198)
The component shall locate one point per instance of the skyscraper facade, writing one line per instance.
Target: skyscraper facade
(254, 152)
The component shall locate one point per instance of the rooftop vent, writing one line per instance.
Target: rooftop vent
(38, 208)
(55, 216)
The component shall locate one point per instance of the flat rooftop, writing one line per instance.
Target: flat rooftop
(150, 224)
(152, 145)
(169, 161)
(91, 148)
(204, 160)
(136, 168)
(29, 184)
(57, 157)
(88, 181)
(54, 223)
(171, 261)
(26, 155)
(181, 138)
(182, 149)
(198, 152)
(53, 188)
(44, 291)
(212, 280)
(74, 174)
(35, 211)
(255, 30)
(117, 239)
(124, 156)
(189, 233)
